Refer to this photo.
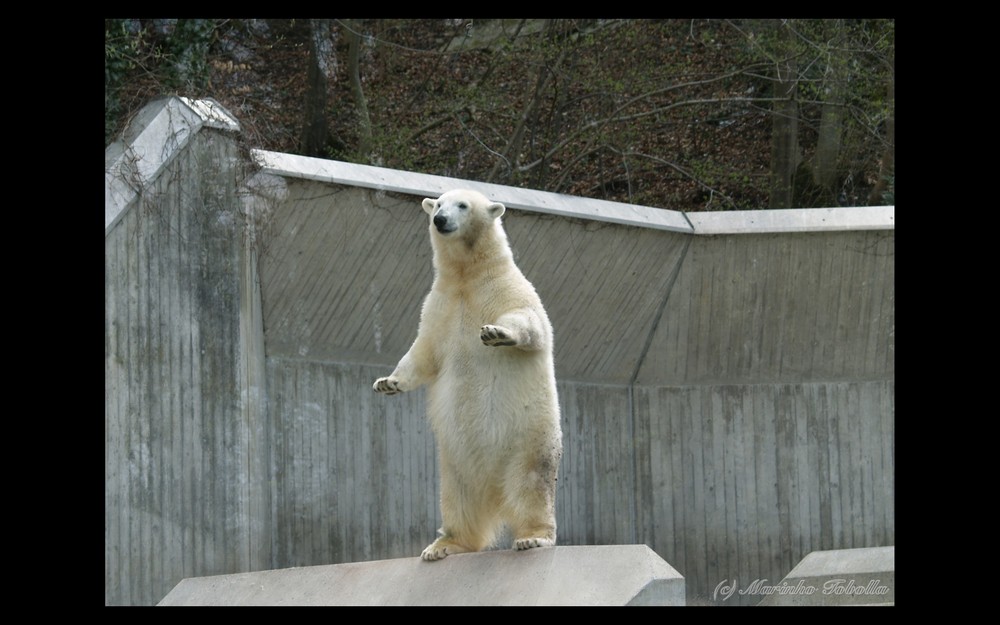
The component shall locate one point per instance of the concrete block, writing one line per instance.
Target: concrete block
(570, 575)
(864, 576)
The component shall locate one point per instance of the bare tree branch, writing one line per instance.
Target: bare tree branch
(684, 172)
(542, 81)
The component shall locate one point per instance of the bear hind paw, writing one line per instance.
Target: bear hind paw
(530, 543)
(441, 548)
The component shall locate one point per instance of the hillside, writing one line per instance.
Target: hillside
(670, 113)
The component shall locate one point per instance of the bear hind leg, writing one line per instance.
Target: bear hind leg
(529, 536)
(469, 521)
(455, 541)
(533, 520)
(531, 505)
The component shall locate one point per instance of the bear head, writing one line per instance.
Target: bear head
(462, 213)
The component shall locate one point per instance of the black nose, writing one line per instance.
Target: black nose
(440, 221)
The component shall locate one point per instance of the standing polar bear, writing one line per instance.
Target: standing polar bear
(484, 348)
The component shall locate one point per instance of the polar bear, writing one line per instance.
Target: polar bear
(484, 350)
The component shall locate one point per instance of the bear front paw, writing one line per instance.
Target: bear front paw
(496, 336)
(388, 385)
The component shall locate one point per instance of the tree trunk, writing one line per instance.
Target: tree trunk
(316, 139)
(784, 128)
(831, 125)
(360, 103)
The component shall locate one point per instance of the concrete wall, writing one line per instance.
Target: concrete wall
(728, 398)
(178, 317)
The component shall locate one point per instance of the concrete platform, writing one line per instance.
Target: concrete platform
(839, 577)
(586, 575)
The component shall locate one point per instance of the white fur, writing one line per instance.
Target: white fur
(484, 348)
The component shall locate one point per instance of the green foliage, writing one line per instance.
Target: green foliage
(162, 56)
(122, 50)
(187, 48)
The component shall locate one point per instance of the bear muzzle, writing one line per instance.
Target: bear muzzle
(443, 224)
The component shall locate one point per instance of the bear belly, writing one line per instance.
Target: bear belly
(484, 410)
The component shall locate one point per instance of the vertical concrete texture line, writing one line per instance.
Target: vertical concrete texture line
(635, 374)
(253, 397)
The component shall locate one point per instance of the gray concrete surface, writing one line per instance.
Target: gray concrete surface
(865, 576)
(595, 575)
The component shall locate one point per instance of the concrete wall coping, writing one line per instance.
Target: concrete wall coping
(159, 131)
(427, 185)
(795, 220)
(708, 223)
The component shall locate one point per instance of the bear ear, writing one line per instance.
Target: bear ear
(495, 209)
(429, 205)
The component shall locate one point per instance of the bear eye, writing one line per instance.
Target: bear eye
(462, 206)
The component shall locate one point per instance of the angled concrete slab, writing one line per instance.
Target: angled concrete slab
(570, 575)
(865, 576)
(417, 184)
